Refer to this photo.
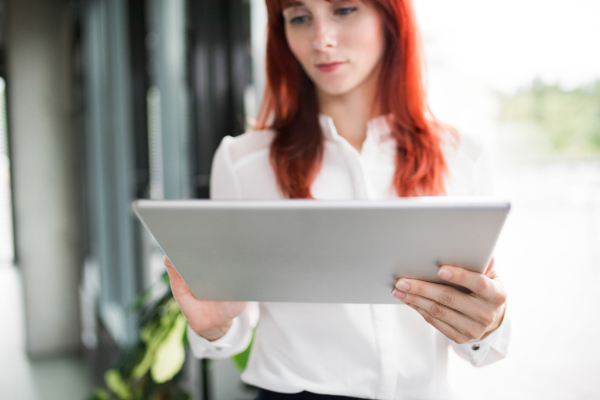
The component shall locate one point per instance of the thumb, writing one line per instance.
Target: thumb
(490, 272)
(178, 286)
(490, 267)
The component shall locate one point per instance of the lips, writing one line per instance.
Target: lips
(330, 66)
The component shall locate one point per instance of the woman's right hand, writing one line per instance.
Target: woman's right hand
(209, 319)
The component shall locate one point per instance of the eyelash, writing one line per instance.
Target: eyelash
(350, 9)
(296, 20)
(345, 11)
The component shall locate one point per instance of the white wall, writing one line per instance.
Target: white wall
(45, 172)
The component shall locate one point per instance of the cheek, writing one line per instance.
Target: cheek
(367, 40)
(299, 47)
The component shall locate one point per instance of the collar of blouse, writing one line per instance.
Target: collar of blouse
(378, 128)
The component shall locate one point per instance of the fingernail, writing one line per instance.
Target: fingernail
(403, 285)
(444, 273)
(398, 294)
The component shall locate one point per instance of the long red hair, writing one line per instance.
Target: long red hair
(290, 108)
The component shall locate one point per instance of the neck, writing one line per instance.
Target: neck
(351, 111)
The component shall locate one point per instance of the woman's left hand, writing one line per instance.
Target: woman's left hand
(459, 316)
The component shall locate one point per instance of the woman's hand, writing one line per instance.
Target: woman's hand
(460, 317)
(209, 319)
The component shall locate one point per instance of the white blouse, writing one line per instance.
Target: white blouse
(358, 350)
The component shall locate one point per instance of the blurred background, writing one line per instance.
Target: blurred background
(106, 101)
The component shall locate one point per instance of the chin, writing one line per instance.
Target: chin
(334, 90)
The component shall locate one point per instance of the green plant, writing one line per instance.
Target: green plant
(151, 369)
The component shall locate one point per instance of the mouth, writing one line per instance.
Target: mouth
(330, 66)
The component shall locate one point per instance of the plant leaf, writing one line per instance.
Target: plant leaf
(154, 334)
(144, 365)
(100, 394)
(241, 360)
(115, 382)
(170, 354)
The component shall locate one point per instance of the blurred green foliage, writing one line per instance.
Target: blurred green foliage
(241, 360)
(569, 119)
(151, 369)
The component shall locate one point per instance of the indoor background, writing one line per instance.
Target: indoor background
(106, 101)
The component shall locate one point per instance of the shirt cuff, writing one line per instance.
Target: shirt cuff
(235, 340)
(489, 350)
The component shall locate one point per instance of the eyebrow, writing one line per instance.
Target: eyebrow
(293, 3)
(296, 3)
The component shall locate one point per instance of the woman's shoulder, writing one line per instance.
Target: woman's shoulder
(247, 144)
(241, 168)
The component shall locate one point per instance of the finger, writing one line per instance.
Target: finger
(180, 289)
(492, 274)
(477, 283)
(441, 326)
(442, 294)
(490, 268)
(458, 321)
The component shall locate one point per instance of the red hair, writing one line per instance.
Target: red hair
(290, 100)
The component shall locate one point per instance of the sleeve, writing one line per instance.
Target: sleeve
(495, 346)
(224, 186)
(489, 350)
(233, 342)
(223, 182)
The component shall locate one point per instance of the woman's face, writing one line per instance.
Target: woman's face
(339, 43)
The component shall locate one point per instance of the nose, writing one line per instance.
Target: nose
(324, 34)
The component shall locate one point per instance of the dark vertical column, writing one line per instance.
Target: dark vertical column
(220, 69)
(139, 84)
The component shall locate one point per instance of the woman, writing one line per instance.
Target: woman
(345, 117)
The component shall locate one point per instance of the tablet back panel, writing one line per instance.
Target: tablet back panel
(319, 251)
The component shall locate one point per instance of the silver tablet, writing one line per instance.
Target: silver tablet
(320, 251)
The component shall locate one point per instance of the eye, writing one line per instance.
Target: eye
(345, 10)
(298, 20)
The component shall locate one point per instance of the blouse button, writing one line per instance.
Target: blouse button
(475, 347)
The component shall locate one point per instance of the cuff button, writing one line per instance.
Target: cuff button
(475, 347)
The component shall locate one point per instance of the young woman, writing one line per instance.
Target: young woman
(345, 117)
